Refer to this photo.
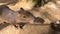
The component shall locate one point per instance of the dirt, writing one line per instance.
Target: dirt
(49, 12)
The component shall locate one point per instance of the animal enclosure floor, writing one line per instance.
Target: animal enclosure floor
(27, 29)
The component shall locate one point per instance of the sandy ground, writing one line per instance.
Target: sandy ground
(51, 8)
(28, 29)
